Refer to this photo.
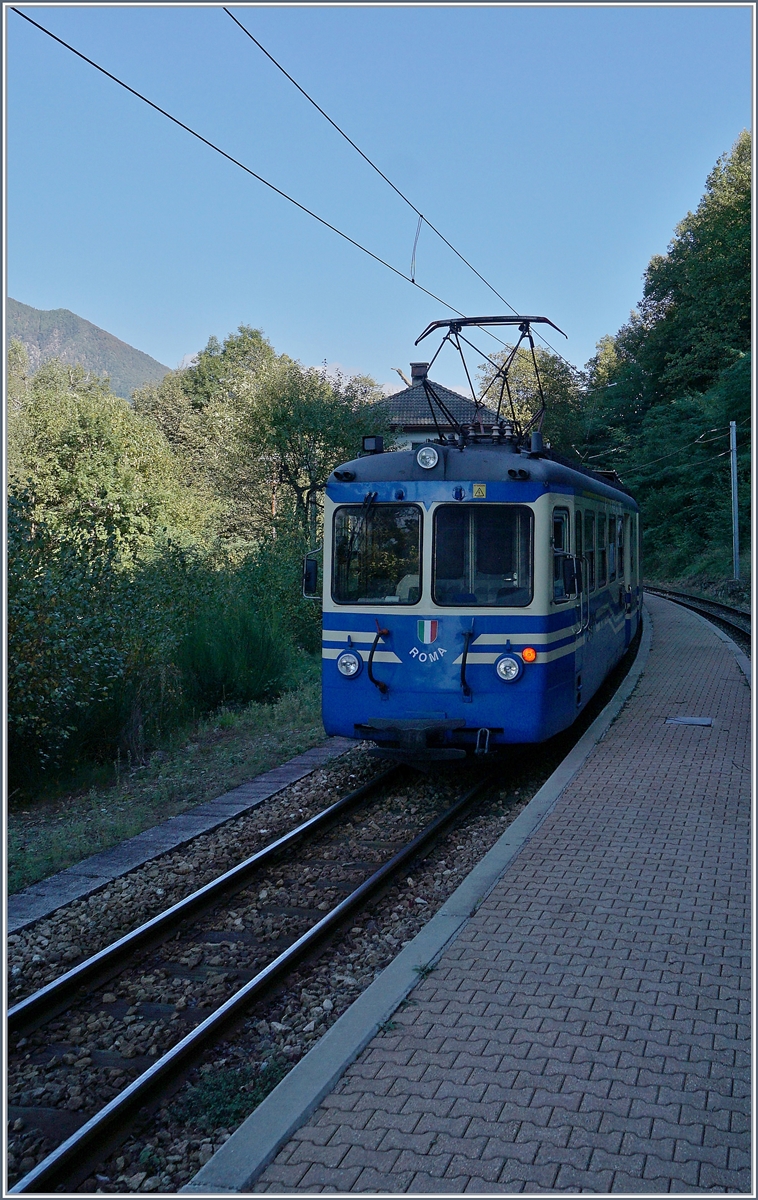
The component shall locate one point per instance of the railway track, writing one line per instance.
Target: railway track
(207, 969)
(74, 1159)
(733, 619)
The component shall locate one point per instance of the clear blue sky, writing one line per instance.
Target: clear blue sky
(556, 147)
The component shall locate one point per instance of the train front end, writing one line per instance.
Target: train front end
(440, 634)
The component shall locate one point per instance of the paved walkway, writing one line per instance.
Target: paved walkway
(588, 1030)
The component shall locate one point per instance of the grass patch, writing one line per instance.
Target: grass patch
(225, 1096)
(101, 806)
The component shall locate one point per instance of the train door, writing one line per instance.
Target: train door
(626, 560)
(583, 605)
(567, 586)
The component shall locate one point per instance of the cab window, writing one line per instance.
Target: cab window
(482, 555)
(377, 554)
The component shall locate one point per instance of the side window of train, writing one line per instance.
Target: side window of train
(631, 542)
(611, 548)
(578, 531)
(602, 551)
(620, 543)
(560, 547)
(589, 549)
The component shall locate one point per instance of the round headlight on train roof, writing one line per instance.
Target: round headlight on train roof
(427, 457)
(349, 664)
(508, 668)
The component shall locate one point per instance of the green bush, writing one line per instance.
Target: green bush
(272, 578)
(232, 655)
(108, 656)
(65, 649)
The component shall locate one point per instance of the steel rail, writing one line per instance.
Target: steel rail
(77, 1150)
(724, 612)
(725, 608)
(47, 1002)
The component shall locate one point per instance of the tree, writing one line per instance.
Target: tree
(203, 411)
(63, 632)
(217, 369)
(696, 302)
(82, 452)
(18, 377)
(561, 387)
(304, 424)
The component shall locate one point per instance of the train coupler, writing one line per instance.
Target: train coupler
(415, 740)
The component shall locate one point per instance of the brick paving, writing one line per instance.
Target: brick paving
(588, 1029)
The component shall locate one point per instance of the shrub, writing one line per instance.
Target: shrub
(63, 633)
(107, 655)
(233, 655)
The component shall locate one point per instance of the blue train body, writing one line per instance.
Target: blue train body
(437, 578)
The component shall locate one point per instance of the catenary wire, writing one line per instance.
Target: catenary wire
(366, 158)
(237, 163)
(700, 441)
(387, 180)
(265, 182)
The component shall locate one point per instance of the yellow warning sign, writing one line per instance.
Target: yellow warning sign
(480, 491)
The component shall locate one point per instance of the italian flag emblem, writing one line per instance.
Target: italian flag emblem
(427, 632)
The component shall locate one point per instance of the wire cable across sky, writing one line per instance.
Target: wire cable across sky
(370, 162)
(212, 145)
(387, 180)
(285, 196)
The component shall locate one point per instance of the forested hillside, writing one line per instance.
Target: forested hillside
(662, 391)
(58, 333)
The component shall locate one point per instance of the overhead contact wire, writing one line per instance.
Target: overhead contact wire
(366, 158)
(237, 163)
(395, 188)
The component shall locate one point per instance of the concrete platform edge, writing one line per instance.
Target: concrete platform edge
(236, 1166)
(96, 872)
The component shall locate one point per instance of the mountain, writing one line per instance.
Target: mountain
(58, 333)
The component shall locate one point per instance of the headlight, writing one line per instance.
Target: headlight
(508, 668)
(348, 664)
(427, 457)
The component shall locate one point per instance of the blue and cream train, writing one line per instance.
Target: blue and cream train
(475, 594)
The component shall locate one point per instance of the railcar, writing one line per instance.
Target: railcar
(477, 590)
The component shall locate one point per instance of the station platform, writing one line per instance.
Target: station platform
(588, 1027)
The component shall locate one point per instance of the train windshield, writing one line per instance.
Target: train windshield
(483, 555)
(377, 554)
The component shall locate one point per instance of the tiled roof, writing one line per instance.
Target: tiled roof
(410, 408)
